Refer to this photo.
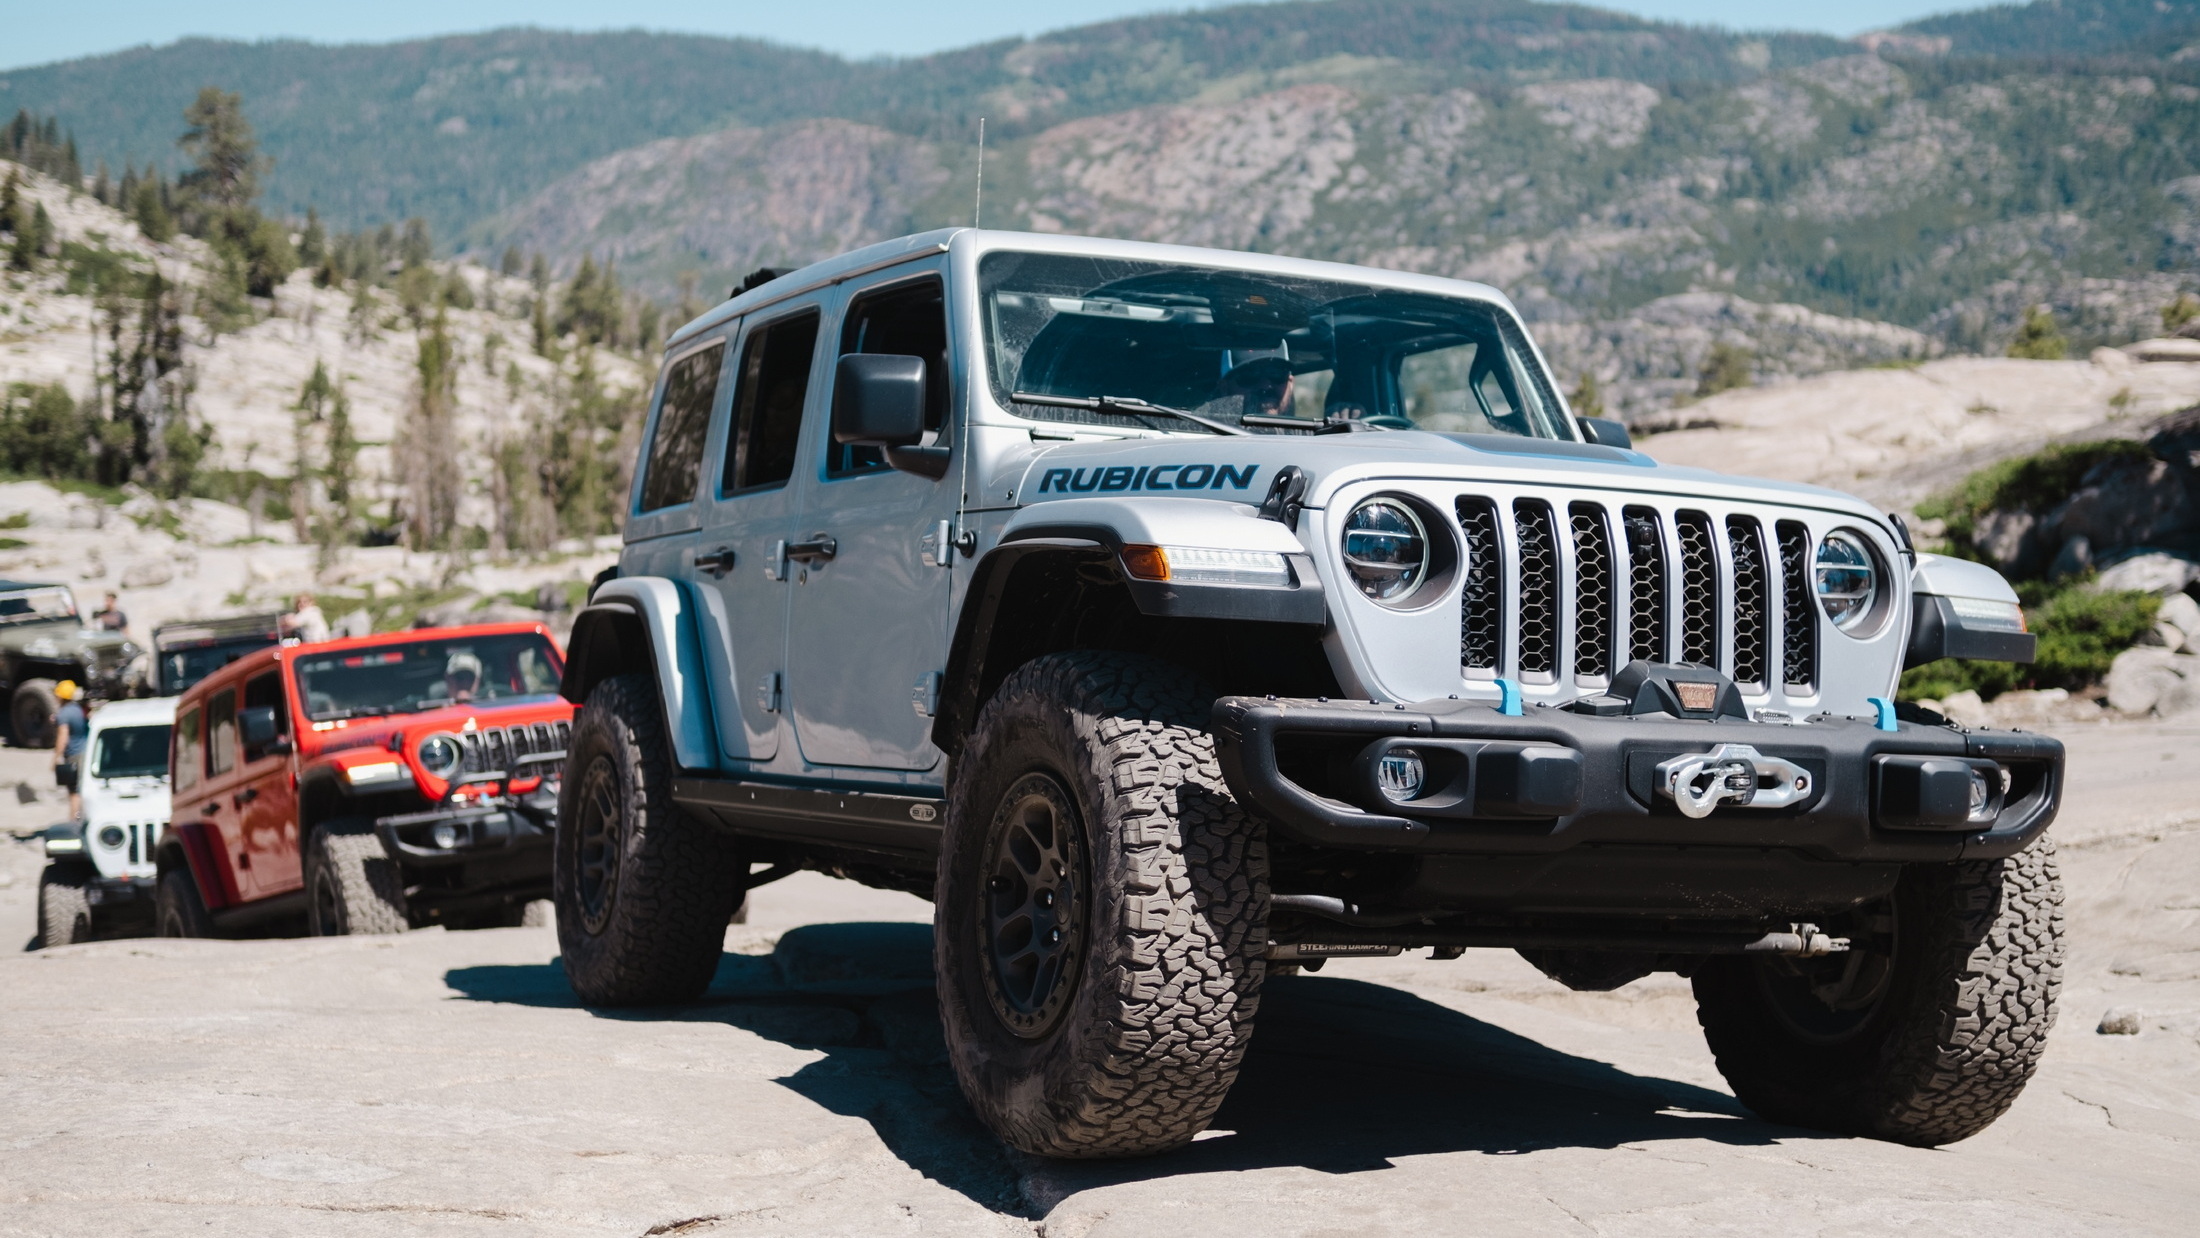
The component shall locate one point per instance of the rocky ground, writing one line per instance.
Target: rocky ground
(446, 1083)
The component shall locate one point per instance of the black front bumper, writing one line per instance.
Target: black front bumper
(1303, 765)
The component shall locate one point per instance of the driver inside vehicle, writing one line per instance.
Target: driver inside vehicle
(461, 677)
(1257, 383)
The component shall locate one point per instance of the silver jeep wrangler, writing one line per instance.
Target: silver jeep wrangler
(1173, 618)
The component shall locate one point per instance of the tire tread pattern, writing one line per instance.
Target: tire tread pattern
(1974, 1010)
(678, 880)
(368, 881)
(1176, 968)
(64, 908)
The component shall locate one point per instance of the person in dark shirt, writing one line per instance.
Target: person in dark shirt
(71, 727)
(110, 617)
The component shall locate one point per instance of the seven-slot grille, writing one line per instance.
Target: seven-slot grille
(1634, 582)
(494, 749)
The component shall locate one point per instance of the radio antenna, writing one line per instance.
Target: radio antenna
(977, 208)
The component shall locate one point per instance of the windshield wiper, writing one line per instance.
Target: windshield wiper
(1119, 404)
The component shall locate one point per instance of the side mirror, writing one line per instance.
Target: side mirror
(258, 728)
(878, 400)
(1605, 432)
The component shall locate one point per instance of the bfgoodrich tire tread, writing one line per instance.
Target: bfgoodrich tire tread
(676, 882)
(1962, 1028)
(353, 888)
(64, 907)
(1153, 1038)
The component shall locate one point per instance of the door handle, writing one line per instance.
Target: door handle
(718, 562)
(819, 548)
(212, 806)
(245, 796)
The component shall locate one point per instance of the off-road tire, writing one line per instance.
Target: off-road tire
(64, 906)
(353, 887)
(643, 891)
(31, 710)
(1952, 1039)
(178, 911)
(1166, 974)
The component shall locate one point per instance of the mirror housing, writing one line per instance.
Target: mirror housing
(259, 732)
(1605, 432)
(878, 400)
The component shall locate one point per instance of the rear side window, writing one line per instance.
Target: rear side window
(767, 414)
(676, 453)
(909, 320)
(190, 750)
(221, 732)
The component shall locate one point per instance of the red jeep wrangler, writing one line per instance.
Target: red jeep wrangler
(367, 785)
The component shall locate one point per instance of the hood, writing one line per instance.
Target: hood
(59, 638)
(1240, 470)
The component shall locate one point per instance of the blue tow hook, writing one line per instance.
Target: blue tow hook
(1508, 698)
(1886, 713)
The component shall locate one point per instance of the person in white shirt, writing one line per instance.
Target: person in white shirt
(305, 624)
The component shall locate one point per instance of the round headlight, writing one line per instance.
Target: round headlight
(440, 755)
(112, 837)
(1848, 579)
(1385, 550)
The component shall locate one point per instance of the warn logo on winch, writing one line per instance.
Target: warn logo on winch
(1149, 477)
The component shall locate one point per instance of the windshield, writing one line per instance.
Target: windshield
(131, 752)
(1227, 344)
(38, 605)
(181, 668)
(407, 677)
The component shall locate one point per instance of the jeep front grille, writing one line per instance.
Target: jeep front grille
(1540, 595)
(1482, 596)
(494, 749)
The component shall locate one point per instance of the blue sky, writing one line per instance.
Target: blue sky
(38, 31)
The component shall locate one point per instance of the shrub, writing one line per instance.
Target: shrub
(2033, 483)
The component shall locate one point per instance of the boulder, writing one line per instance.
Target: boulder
(1965, 707)
(2154, 680)
(2158, 572)
(2169, 348)
(2181, 612)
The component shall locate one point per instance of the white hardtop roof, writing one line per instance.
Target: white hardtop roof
(976, 240)
(135, 713)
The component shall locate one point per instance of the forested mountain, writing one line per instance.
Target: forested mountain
(1643, 189)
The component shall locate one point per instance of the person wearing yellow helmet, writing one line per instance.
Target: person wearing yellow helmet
(71, 726)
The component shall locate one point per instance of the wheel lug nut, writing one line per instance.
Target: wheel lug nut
(1054, 937)
(1046, 898)
(999, 885)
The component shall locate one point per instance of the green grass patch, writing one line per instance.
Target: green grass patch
(2080, 631)
(12, 543)
(2031, 483)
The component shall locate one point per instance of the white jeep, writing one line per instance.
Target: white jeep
(99, 871)
(1170, 617)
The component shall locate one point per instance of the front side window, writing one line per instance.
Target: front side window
(767, 412)
(131, 752)
(266, 692)
(909, 320)
(190, 755)
(221, 732)
(1230, 344)
(406, 677)
(675, 460)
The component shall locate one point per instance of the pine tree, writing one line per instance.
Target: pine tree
(150, 208)
(426, 450)
(2038, 339)
(310, 410)
(509, 265)
(313, 240)
(226, 174)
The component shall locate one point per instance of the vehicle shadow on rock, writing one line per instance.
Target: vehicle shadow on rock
(1344, 1076)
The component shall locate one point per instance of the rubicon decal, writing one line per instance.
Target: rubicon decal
(1149, 477)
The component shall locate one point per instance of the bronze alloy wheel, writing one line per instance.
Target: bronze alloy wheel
(596, 836)
(1034, 905)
